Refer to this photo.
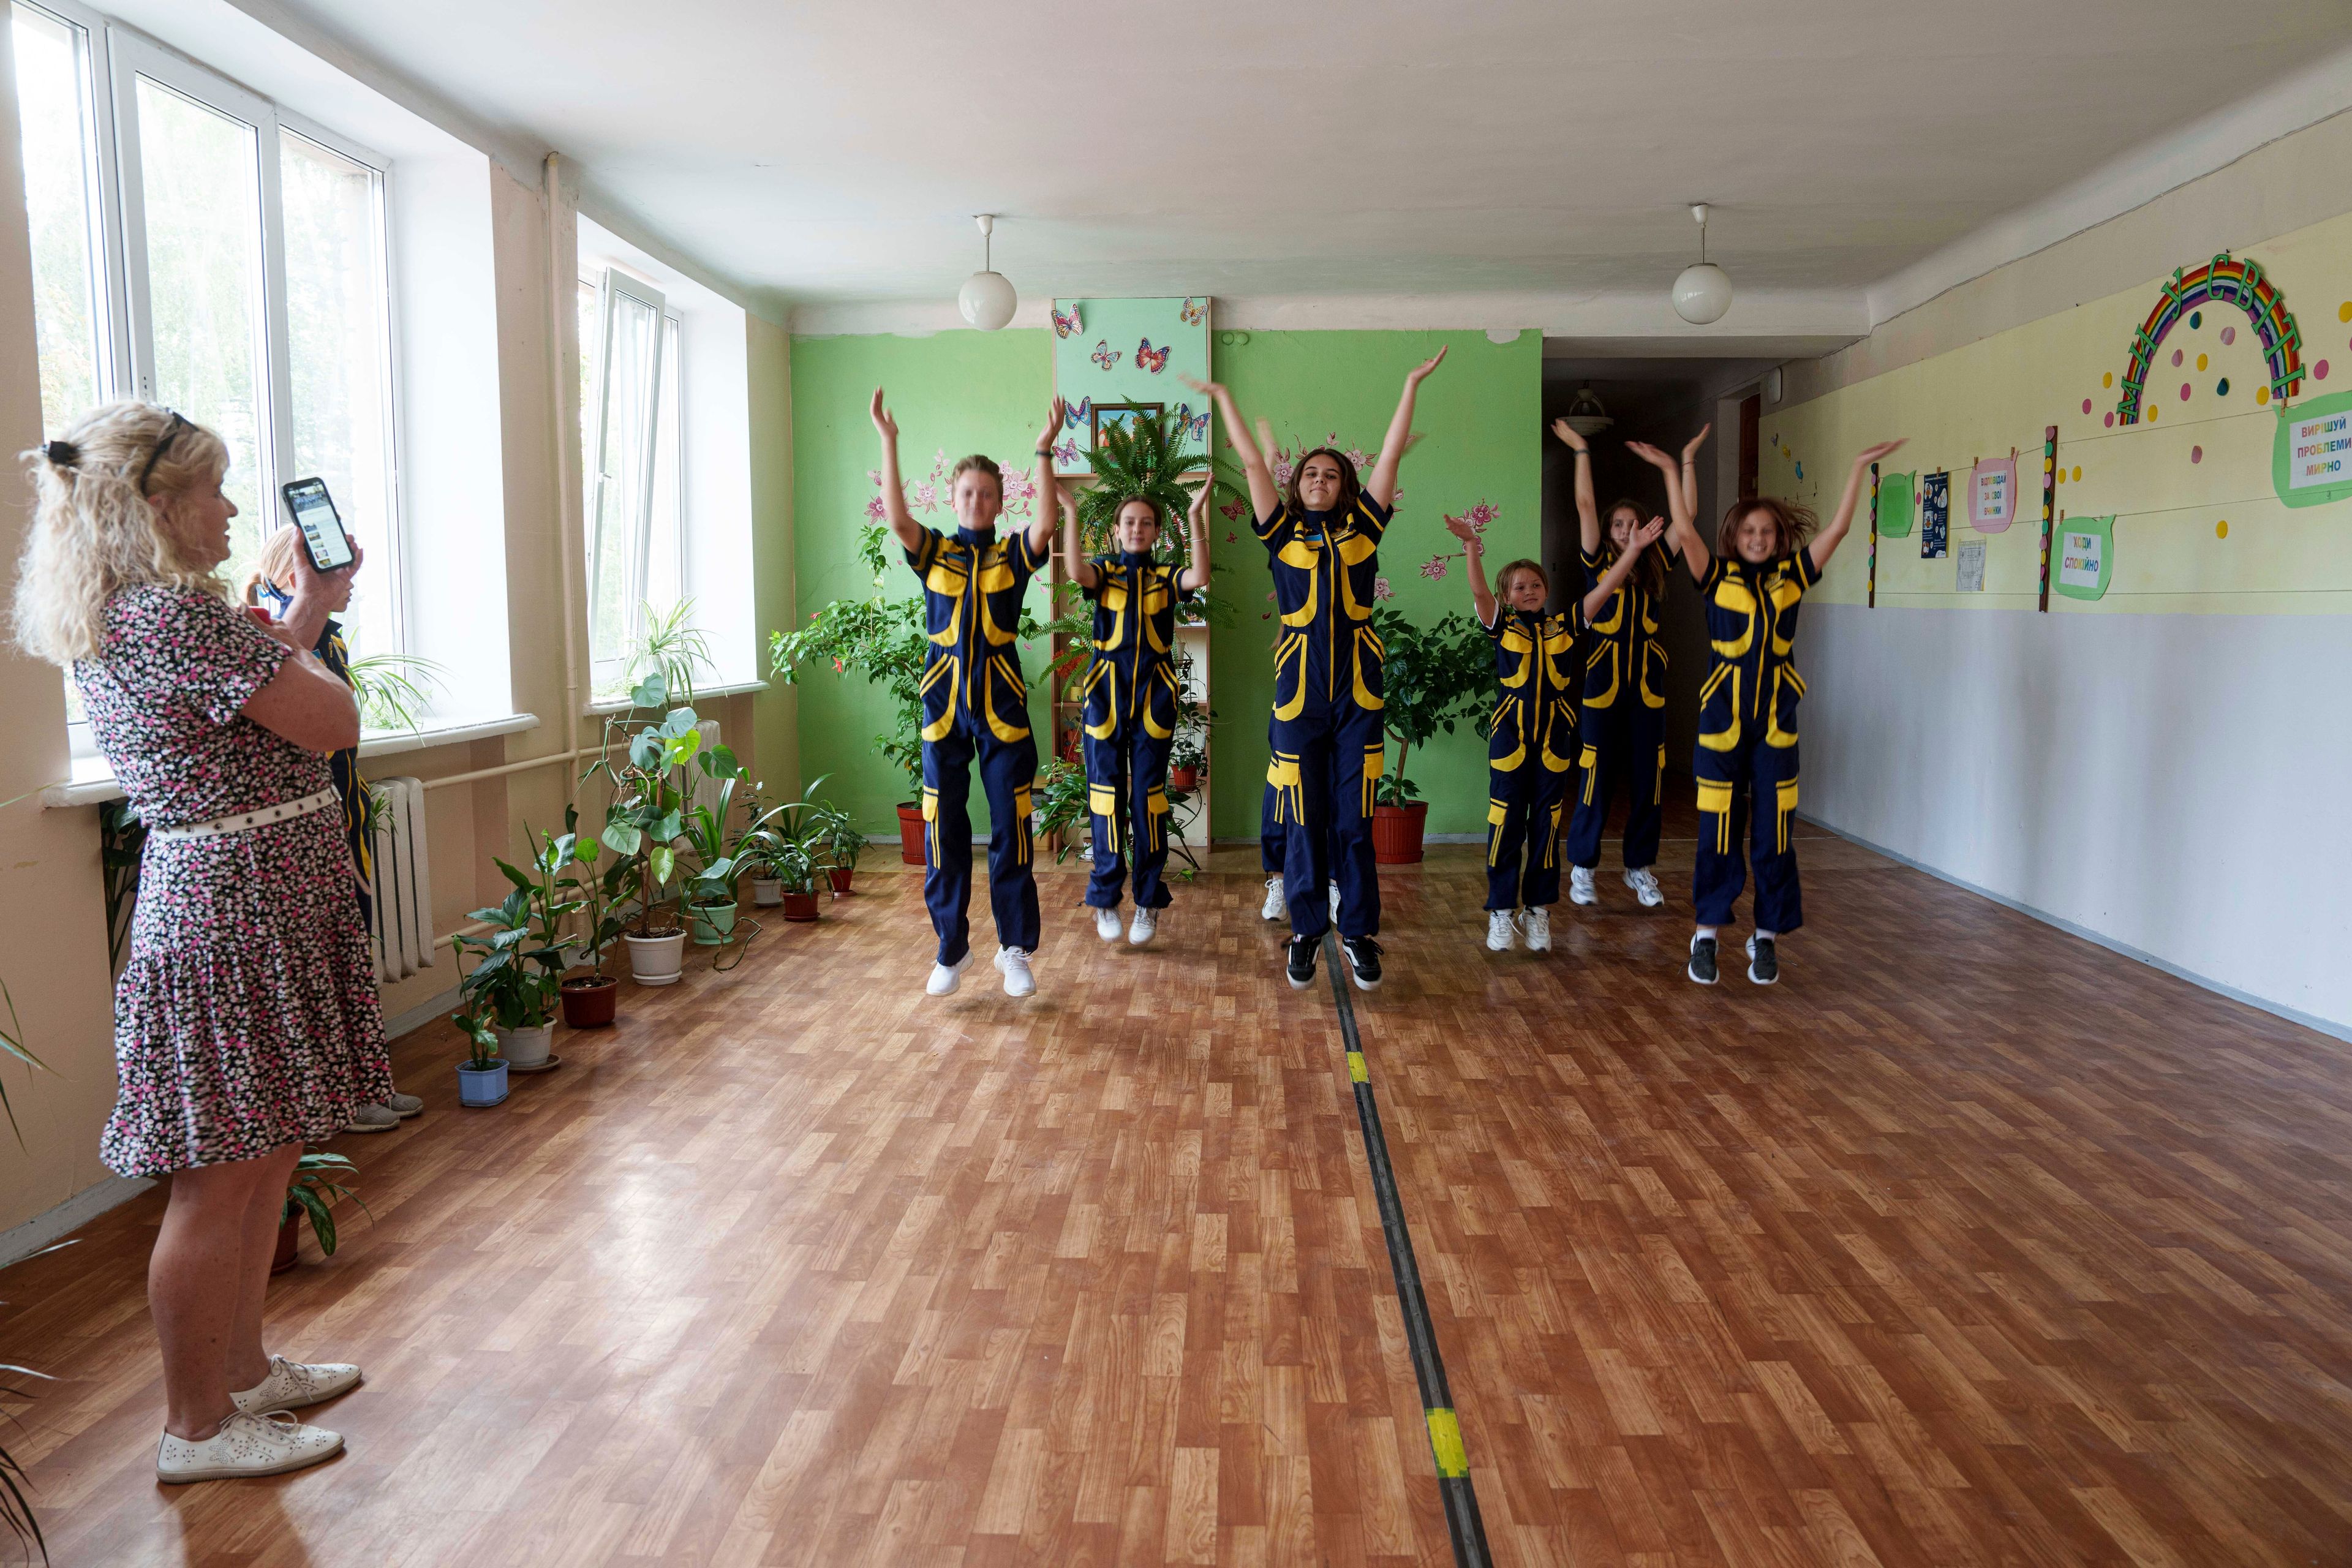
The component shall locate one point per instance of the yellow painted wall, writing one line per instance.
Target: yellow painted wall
(2171, 482)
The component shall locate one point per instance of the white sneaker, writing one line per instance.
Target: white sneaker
(1014, 961)
(1537, 926)
(246, 1445)
(1580, 886)
(292, 1385)
(945, 977)
(1107, 924)
(1277, 906)
(1498, 931)
(1644, 881)
(1146, 923)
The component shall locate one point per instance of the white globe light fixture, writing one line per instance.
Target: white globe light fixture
(987, 298)
(1702, 292)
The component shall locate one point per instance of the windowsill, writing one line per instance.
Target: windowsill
(93, 782)
(621, 704)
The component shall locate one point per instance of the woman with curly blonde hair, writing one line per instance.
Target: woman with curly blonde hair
(245, 1020)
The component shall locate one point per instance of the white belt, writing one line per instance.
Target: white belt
(245, 819)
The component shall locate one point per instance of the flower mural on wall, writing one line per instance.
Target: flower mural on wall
(1477, 517)
(1383, 589)
(934, 492)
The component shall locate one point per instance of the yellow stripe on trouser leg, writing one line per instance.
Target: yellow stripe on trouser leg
(1289, 795)
(1715, 800)
(1588, 759)
(1024, 821)
(1375, 765)
(1496, 814)
(1787, 804)
(1446, 1444)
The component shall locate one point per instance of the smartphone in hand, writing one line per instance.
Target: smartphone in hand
(324, 538)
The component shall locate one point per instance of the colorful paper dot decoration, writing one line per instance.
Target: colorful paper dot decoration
(2221, 387)
(2078, 473)
(2086, 405)
(2111, 420)
(2319, 371)
(2108, 379)
(2261, 395)
(2229, 336)
(2062, 476)
(2201, 361)
(2176, 359)
(2153, 410)
(1801, 468)
(2226, 279)
(2195, 319)
(2344, 311)
(2184, 392)
(2196, 454)
(2221, 529)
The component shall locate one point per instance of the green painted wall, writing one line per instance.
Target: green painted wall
(1481, 418)
(958, 392)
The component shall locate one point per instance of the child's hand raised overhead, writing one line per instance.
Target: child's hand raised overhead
(1647, 534)
(1460, 528)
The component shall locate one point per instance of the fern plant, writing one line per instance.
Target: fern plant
(1140, 459)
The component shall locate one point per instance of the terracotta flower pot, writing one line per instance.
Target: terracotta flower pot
(1396, 833)
(590, 1000)
(1186, 779)
(800, 907)
(910, 833)
(289, 1243)
(839, 877)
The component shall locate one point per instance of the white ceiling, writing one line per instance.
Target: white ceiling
(1271, 150)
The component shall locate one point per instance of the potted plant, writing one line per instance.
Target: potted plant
(513, 990)
(1432, 677)
(712, 865)
(759, 848)
(309, 1193)
(591, 1000)
(795, 867)
(839, 844)
(482, 1077)
(646, 818)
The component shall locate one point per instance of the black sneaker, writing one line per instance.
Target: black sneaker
(1763, 963)
(1702, 959)
(1301, 967)
(1364, 959)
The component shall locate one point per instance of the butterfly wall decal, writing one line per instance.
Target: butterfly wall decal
(1067, 322)
(1103, 355)
(1194, 312)
(1079, 416)
(1152, 358)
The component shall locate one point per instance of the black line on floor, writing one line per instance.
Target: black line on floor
(1463, 1523)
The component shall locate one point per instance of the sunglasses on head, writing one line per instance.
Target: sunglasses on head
(162, 443)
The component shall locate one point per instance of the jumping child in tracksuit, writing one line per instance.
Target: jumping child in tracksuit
(1766, 556)
(1531, 744)
(975, 702)
(1322, 536)
(1129, 692)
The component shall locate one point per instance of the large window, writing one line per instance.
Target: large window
(633, 494)
(196, 246)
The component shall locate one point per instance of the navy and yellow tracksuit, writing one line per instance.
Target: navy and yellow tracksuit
(1748, 738)
(976, 704)
(1129, 694)
(1326, 740)
(1530, 750)
(1624, 722)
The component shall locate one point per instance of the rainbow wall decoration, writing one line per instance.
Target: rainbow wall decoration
(2228, 281)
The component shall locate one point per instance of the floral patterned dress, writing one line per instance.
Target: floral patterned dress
(247, 1017)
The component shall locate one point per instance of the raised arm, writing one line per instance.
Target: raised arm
(1196, 532)
(1588, 510)
(1381, 485)
(1682, 532)
(903, 526)
(1826, 542)
(1482, 597)
(1614, 578)
(1689, 478)
(1041, 527)
(1073, 548)
(1265, 494)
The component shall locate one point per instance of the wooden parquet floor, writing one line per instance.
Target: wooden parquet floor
(1968, 1243)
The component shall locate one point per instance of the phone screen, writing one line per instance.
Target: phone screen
(323, 528)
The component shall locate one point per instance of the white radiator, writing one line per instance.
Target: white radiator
(403, 886)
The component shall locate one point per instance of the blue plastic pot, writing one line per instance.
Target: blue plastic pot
(481, 1086)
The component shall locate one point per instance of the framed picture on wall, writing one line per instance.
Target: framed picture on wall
(1103, 416)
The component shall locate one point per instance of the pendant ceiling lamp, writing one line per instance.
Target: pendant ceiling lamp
(987, 298)
(1585, 415)
(1702, 292)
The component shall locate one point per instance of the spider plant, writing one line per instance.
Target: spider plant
(672, 647)
(394, 689)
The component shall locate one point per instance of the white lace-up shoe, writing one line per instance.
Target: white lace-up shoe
(1276, 906)
(1644, 881)
(1107, 924)
(246, 1445)
(293, 1385)
(1580, 886)
(1536, 926)
(1146, 924)
(1014, 961)
(945, 977)
(1498, 931)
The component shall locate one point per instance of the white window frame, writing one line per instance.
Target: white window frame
(113, 57)
(613, 286)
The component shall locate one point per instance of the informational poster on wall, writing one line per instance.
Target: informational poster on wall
(1972, 568)
(1120, 360)
(1893, 506)
(1935, 516)
(2311, 460)
(1992, 494)
(2086, 556)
